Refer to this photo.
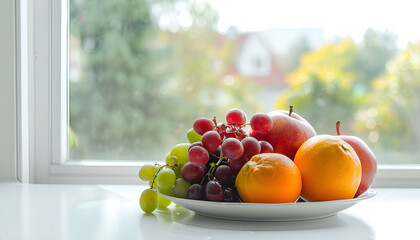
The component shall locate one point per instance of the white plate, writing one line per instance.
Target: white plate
(268, 212)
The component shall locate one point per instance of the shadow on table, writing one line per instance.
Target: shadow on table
(340, 226)
(337, 221)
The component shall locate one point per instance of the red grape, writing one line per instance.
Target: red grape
(231, 132)
(261, 122)
(191, 173)
(235, 116)
(211, 141)
(251, 147)
(214, 157)
(196, 191)
(202, 125)
(223, 174)
(236, 164)
(232, 148)
(195, 144)
(221, 128)
(266, 147)
(198, 156)
(231, 182)
(230, 196)
(213, 191)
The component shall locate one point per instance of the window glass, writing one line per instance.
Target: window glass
(140, 72)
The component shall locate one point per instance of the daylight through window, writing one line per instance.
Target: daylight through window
(140, 72)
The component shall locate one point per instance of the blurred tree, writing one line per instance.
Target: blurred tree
(396, 98)
(145, 76)
(114, 107)
(321, 88)
(334, 82)
(297, 50)
(201, 56)
(376, 49)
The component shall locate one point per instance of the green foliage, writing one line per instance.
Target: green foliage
(73, 141)
(141, 87)
(396, 94)
(113, 106)
(322, 88)
(374, 97)
(299, 48)
(376, 50)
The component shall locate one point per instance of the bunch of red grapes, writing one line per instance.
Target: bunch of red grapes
(223, 150)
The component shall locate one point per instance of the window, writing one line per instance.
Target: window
(139, 73)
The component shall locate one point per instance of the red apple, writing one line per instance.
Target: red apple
(367, 159)
(289, 132)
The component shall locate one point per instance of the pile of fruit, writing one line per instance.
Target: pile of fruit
(280, 159)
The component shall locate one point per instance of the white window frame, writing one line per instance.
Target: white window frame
(43, 103)
(47, 94)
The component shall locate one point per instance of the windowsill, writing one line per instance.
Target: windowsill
(108, 172)
(38, 211)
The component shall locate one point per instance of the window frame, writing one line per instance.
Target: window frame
(47, 110)
(48, 104)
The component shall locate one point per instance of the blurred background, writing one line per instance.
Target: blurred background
(140, 72)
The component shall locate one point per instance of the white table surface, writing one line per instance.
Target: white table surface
(35, 211)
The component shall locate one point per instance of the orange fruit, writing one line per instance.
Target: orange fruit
(269, 178)
(330, 169)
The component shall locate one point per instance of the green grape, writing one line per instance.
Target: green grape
(180, 151)
(154, 184)
(180, 188)
(166, 178)
(193, 136)
(148, 200)
(176, 169)
(168, 159)
(163, 202)
(147, 171)
(167, 191)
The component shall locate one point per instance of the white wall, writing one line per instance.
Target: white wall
(7, 91)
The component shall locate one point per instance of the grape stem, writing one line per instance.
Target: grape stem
(237, 131)
(209, 174)
(222, 159)
(161, 167)
(215, 122)
(154, 176)
(212, 154)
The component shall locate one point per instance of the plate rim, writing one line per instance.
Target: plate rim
(366, 195)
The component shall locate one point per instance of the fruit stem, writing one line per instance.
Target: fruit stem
(337, 127)
(175, 159)
(202, 180)
(237, 131)
(215, 122)
(290, 110)
(160, 168)
(209, 174)
(154, 176)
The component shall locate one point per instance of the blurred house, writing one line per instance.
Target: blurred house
(268, 56)
(265, 56)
